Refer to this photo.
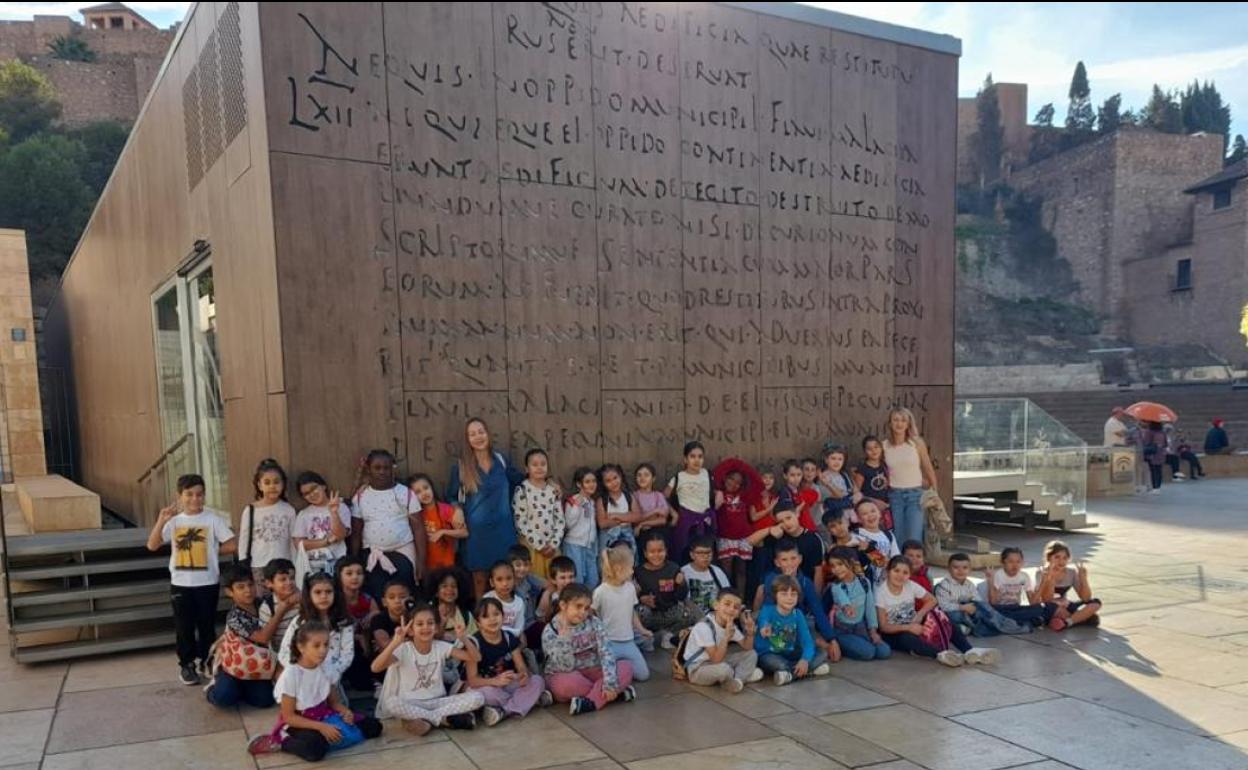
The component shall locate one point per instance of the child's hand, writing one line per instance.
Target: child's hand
(647, 600)
(335, 502)
(403, 630)
(776, 531)
(347, 714)
(989, 573)
(329, 732)
(834, 651)
(969, 609)
(168, 512)
(747, 623)
(850, 611)
(1081, 568)
(801, 669)
(875, 636)
(609, 695)
(460, 628)
(434, 534)
(646, 633)
(766, 631)
(915, 628)
(680, 578)
(550, 552)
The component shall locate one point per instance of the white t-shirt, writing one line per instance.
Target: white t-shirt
(1012, 590)
(513, 612)
(885, 544)
(384, 513)
(615, 605)
(272, 533)
(194, 542)
(1114, 426)
(704, 586)
(420, 675)
(313, 523)
(899, 608)
(308, 686)
(707, 633)
(693, 491)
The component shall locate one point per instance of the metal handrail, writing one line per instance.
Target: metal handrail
(164, 456)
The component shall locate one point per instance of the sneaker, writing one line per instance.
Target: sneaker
(665, 640)
(461, 722)
(188, 675)
(755, 676)
(733, 686)
(492, 715)
(1155, 491)
(581, 706)
(1179, 477)
(546, 698)
(781, 678)
(416, 726)
(264, 744)
(951, 658)
(628, 694)
(984, 656)
(823, 669)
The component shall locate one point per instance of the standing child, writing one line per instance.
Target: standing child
(501, 675)
(313, 719)
(902, 626)
(695, 512)
(244, 656)
(732, 514)
(881, 545)
(802, 499)
(914, 553)
(706, 658)
(705, 580)
(842, 494)
(387, 526)
(762, 516)
(198, 537)
(537, 507)
(849, 600)
(322, 527)
(1008, 586)
(1056, 579)
(414, 690)
(580, 667)
(959, 598)
(322, 604)
(617, 511)
(615, 601)
(785, 647)
(444, 524)
(266, 527)
(528, 587)
(580, 541)
(871, 478)
(665, 607)
(656, 513)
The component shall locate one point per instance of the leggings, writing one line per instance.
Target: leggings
(1154, 472)
(311, 746)
(587, 683)
(435, 710)
(913, 644)
(515, 699)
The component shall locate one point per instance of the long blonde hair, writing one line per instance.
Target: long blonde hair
(469, 476)
(912, 428)
(615, 562)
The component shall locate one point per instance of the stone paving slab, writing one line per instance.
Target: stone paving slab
(774, 753)
(931, 741)
(828, 740)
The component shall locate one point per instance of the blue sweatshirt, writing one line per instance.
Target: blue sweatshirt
(789, 634)
(854, 602)
(809, 603)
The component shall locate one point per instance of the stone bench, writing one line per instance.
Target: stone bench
(1224, 466)
(56, 504)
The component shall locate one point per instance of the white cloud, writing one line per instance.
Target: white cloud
(23, 11)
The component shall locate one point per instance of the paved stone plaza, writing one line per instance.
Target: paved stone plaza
(1162, 684)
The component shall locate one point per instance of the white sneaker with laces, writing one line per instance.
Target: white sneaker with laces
(733, 686)
(755, 676)
(951, 658)
(781, 678)
(823, 669)
(984, 656)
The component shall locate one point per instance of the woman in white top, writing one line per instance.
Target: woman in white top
(266, 528)
(695, 507)
(909, 471)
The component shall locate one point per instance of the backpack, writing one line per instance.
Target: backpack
(680, 669)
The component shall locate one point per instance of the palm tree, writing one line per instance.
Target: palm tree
(185, 546)
(71, 48)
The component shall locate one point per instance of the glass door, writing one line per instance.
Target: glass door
(209, 406)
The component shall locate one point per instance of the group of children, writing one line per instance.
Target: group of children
(796, 578)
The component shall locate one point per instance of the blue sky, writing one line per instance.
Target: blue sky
(1126, 46)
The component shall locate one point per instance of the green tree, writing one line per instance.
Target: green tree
(102, 142)
(1044, 116)
(28, 102)
(1079, 114)
(1239, 150)
(988, 140)
(42, 192)
(1162, 112)
(1109, 116)
(71, 48)
(1203, 110)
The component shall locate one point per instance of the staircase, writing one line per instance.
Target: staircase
(1010, 499)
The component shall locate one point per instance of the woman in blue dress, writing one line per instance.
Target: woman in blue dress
(482, 480)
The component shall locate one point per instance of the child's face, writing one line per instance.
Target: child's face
(423, 492)
(1012, 564)
(835, 462)
(624, 572)
(538, 467)
(874, 450)
(353, 577)
(694, 460)
(839, 528)
(786, 599)
(793, 476)
(282, 585)
(394, 599)
(491, 620)
(869, 516)
(313, 650)
(313, 493)
(503, 581)
(589, 485)
(521, 568)
(915, 557)
(271, 486)
(192, 499)
(788, 562)
(727, 608)
(563, 579)
(732, 483)
(656, 553)
(425, 627)
(810, 472)
(899, 575)
(840, 570)
(322, 595)
(1059, 560)
(575, 611)
(243, 592)
(788, 521)
(701, 557)
(381, 473)
(448, 590)
(960, 570)
(645, 479)
(769, 480)
(612, 481)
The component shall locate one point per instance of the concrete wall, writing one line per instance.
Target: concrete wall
(1016, 134)
(21, 417)
(1005, 380)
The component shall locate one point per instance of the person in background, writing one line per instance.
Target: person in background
(1216, 440)
(1185, 452)
(1153, 443)
(1115, 428)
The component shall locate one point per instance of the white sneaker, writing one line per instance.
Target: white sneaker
(1180, 477)
(665, 640)
(951, 658)
(546, 698)
(781, 678)
(733, 686)
(755, 676)
(984, 656)
(1155, 491)
(491, 715)
(823, 669)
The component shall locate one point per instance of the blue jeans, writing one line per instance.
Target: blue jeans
(907, 514)
(585, 557)
(858, 647)
(227, 692)
(1025, 614)
(632, 653)
(772, 662)
(988, 622)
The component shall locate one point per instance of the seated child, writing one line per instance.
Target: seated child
(414, 690)
(1008, 586)
(959, 598)
(313, 720)
(580, 667)
(788, 561)
(503, 588)
(665, 607)
(704, 580)
(881, 545)
(394, 602)
(901, 625)
(452, 598)
(839, 536)
(788, 527)
(615, 602)
(501, 675)
(279, 578)
(784, 645)
(1056, 579)
(244, 624)
(706, 657)
(322, 604)
(849, 600)
(562, 574)
(913, 551)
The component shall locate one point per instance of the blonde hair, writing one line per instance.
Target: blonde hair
(469, 476)
(1053, 547)
(912, 429)
(615, 563)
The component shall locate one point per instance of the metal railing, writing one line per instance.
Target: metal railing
(155, 488)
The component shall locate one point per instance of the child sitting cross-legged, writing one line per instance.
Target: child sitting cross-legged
(706, 657)
(850, 602)
(959, 598)
(664, 607)
(581, 670)
(784, 643)
(501, 675)
(615, 602)
(788, 561)
(322, 603)
(244, 663)
(902, 625)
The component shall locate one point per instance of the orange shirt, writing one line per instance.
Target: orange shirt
(439, 516)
